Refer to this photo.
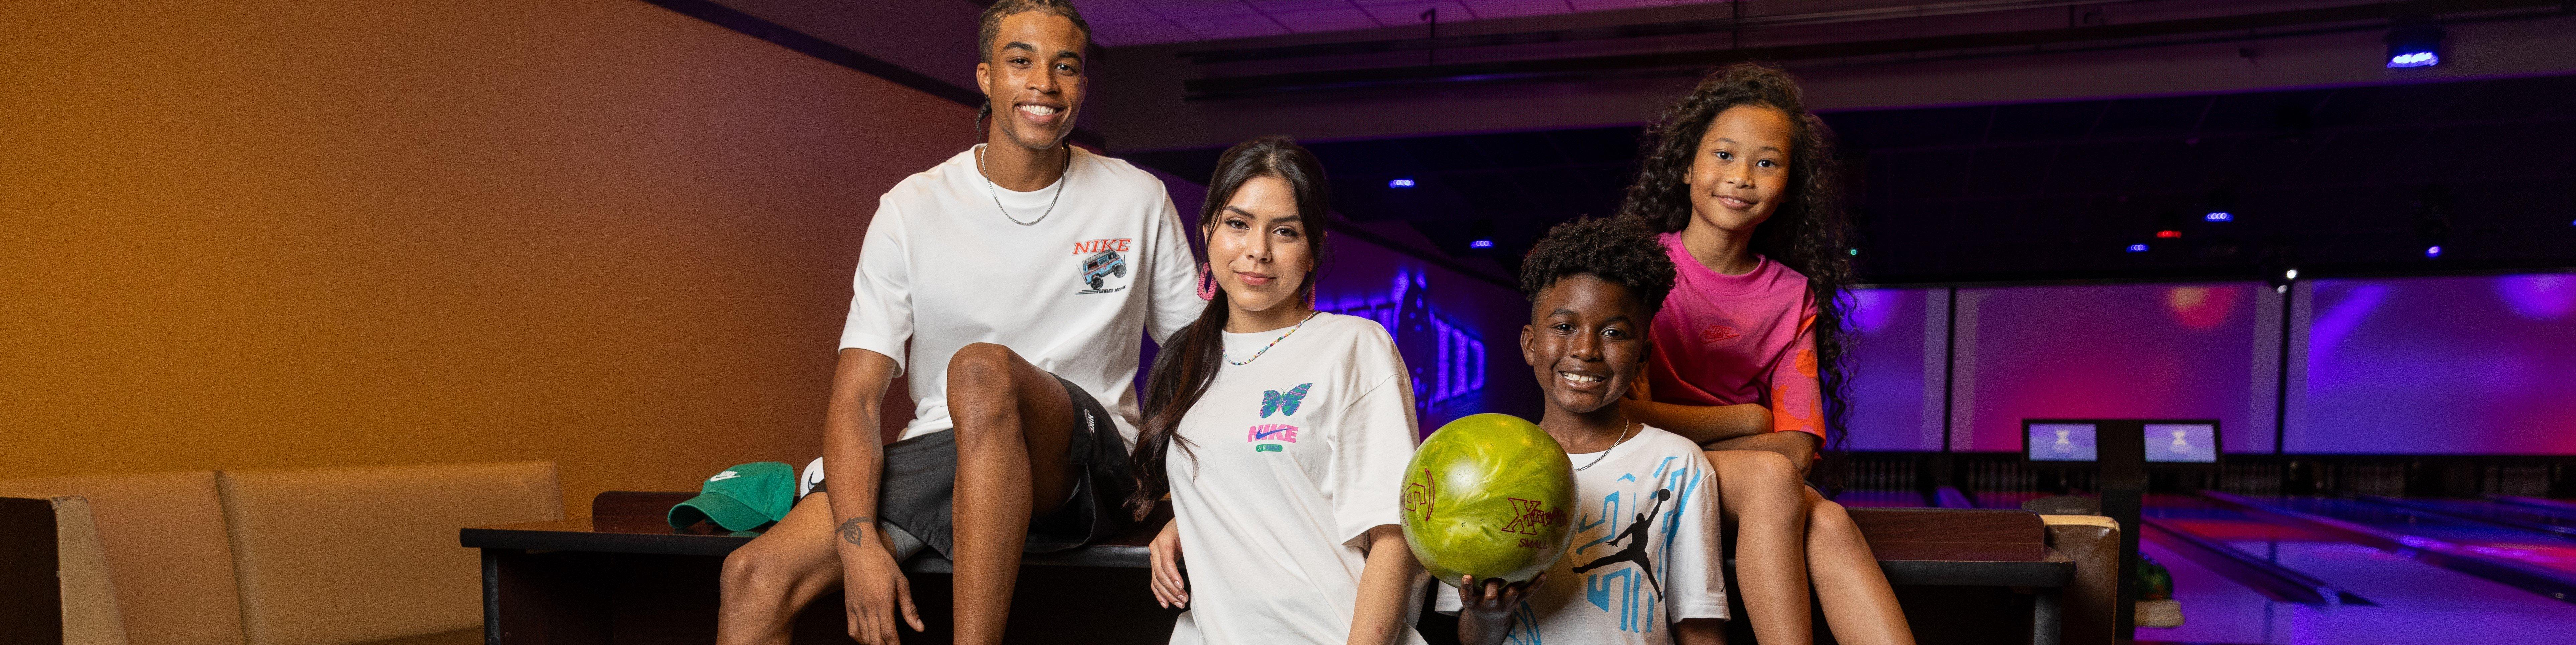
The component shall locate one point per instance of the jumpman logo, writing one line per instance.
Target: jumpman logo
(1636, 549)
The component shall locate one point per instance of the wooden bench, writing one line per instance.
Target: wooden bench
(625, 576)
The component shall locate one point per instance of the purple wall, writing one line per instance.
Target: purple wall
(1890, 406)
(2168, 351)
(2439, 365)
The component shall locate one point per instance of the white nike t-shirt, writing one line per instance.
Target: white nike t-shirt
(1074, 292)
(1646, 546)
(1291, 460)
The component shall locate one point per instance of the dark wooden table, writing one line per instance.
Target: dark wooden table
(625, 577)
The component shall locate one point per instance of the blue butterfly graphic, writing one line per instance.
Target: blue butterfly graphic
(1284, 404)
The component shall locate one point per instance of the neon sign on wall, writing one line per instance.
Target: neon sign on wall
(1446, 359)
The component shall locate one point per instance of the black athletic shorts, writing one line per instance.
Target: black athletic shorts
(920, 480)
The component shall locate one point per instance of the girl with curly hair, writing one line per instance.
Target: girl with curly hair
(1748, 353)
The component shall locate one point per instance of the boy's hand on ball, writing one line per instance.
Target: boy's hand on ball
(1486, 606)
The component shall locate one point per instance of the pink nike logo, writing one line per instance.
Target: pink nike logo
(1716, 333)
(1271, 432)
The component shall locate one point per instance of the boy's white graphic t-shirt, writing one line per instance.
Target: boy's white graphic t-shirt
(1645, 551)
(1074, 292)
(1290, 461)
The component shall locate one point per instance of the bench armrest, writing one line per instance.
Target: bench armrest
(2093, 542)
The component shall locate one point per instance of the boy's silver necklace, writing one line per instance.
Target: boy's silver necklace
(1605, 452)
(997, 197)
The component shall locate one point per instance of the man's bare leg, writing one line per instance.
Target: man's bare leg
(767, 581)
(1014, 425)
(1761, 494)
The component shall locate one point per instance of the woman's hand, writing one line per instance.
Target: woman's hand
(1485, 610)
(1170, 588)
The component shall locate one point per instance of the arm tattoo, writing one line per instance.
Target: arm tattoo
(855, 530)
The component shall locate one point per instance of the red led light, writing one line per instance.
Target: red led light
(2168, 234)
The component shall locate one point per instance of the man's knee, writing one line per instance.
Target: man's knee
(751, 572)
(980, 367)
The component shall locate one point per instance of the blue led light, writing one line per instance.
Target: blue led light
(1402, 182)
(2414, 59)
(1480, 244)
(2432, 251)
(2137, 248)
(1451, 365)
(2220, 216)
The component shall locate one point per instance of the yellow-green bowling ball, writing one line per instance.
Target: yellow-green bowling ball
(1488, 495)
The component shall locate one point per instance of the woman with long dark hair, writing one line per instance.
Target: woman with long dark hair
(1750, 346)
(1280, 432)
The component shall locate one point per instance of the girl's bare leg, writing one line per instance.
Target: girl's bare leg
(1760, 492)
(1858, 602)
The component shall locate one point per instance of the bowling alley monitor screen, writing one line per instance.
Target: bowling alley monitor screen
(2167, 442)
(2182, 443)
(2058, 441)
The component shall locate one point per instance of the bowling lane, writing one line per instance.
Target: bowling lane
(2550, 552)
(2416, 602)
(2556, 521)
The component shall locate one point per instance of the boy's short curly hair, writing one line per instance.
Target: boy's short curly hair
(1620, 249)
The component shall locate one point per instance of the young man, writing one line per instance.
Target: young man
(1643, 568)
(1022, 276)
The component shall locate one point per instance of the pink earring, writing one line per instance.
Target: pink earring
(1207, 282)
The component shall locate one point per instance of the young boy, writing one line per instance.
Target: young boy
(1643, 567)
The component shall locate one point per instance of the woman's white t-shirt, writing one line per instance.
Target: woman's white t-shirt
(1646, 546)
(1074, 292)
(1291, 459)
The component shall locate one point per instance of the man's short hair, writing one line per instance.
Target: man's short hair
(1621, 250)
(990, 25)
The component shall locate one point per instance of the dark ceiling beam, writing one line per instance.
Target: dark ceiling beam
(810, 45)
(1341, 226)
(2322, 20)
(1647, 30)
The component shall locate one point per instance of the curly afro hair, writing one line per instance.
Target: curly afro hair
(1619, 249)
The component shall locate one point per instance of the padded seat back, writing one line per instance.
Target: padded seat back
(168, 555)
(53, 574)
(328, 556)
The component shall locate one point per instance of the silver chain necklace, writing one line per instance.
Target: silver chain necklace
(1060, 180)
(1605, 452)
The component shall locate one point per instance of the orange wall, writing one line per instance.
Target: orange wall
(322, 232)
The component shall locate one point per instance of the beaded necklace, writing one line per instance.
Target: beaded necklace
(1265, 349)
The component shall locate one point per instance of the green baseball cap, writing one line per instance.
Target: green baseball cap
(741, 498)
